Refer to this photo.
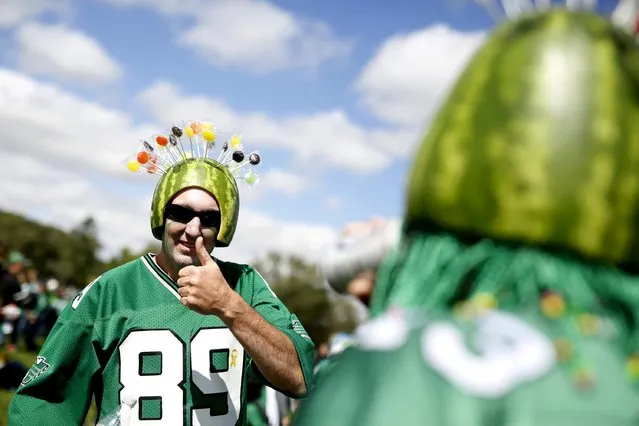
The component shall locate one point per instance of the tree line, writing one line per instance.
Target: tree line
(72, 257)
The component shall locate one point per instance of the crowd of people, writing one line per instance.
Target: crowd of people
(29, 307)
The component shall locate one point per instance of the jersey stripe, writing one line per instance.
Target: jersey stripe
(160, 275)
(266, 282)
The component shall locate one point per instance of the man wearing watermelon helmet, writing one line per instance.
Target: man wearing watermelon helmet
(172, 338)
(513, 296)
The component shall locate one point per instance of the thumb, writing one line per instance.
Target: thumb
(202, 253)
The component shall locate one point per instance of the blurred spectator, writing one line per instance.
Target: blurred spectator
(45, 309)
(267, 407)
(10, 292)
(11, 373)
(59, 298)
(350, 267)
(3, 255)
(29, 324)
(31, 284)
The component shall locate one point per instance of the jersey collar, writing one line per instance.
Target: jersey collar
(149, 261)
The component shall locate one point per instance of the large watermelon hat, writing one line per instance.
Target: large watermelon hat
(538, 142)
(187, 157)
(525, 188)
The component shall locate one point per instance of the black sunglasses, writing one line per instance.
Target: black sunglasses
(181, 214)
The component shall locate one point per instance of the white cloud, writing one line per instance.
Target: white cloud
(60, 160)
(13, 12)
(23, 176)
(52, 195)
(56, 127)
(326, 138)
(255, 35)
(53, 141)
(333, 204)
(284, 182)
(258, 233)
(64, 53)
(260, 36)
(404, 83)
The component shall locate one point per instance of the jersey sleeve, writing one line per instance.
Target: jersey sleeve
(267, 304)
(57, 388)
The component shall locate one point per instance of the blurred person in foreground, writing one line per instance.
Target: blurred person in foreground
(172, 338)
(513, 296)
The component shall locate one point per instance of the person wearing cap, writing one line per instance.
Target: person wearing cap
(172, 338)
(513, 295)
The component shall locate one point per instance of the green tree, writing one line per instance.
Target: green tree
(71, 257)
(85, 250)
(300, 286)
(127, 255)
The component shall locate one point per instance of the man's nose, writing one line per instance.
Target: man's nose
(194, 227)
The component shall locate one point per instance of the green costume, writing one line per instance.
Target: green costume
(513, 297)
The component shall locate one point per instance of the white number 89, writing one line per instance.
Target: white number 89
(164, 387)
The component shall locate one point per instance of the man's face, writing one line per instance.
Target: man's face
(192, 213)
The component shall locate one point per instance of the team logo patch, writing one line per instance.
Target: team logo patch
(41, 365)
(299, 329)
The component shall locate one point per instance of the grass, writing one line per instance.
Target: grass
(27, 358)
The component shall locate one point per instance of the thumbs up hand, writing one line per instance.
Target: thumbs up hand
(203, 288)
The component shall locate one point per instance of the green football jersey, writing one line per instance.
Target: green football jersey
(127, 336)
(500, 371)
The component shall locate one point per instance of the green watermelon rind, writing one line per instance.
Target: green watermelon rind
(478, 168)
(206, 174)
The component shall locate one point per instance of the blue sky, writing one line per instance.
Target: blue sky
(368, 51)
(129, 35)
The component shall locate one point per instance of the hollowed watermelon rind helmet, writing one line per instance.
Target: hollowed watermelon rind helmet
(206, 174)
(537, 141)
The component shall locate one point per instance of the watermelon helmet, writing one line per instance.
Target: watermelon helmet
(181, 168)
(537, 139)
